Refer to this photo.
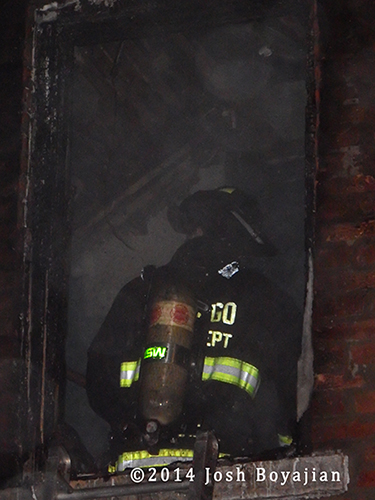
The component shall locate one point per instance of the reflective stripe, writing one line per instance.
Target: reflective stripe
(223, 369)
(129, 372)
(232, 371)
(285, 440)
(228, 190)
(144, 459)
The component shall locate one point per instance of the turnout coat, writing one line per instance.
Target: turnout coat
(248, 338)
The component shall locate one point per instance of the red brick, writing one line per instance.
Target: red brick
(362, 183)
(353, 114)
(363, 353)
(350, 136)
(342, 306)
(355, 330)
(330, 165)
(368, 149)
(324, 432)
(363, 330)
(322, 344)
(327, 403)
(336, 256)
(366, 479)
(343, 93)
(346, 281)
(329, 168)
(351, 208)
(360, 68)
(338, 187)
(362, 207)
(365, 402)
(334, 381)
(330, 355)
(348, 232)
(369, 454)
(365, 255)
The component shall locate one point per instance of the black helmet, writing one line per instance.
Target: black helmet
(226, 213)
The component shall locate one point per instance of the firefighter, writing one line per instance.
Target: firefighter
(237, 372)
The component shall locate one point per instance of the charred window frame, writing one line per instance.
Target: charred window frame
(54, 31)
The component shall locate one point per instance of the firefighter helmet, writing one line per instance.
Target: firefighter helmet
(227, 213)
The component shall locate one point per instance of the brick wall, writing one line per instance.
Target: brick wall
(343, 409)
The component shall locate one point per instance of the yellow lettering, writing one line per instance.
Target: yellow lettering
(225, 313)
(216, 337)
(209, 343)
(229, 313)
(226, 336)
(216, 312)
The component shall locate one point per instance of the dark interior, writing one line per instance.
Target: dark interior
(155, 118)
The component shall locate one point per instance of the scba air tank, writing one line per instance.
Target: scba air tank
(167, 354)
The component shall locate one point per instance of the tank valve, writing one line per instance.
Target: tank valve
(151, 436)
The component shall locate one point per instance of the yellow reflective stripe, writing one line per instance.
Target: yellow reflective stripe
(232, 371)
(129, 372)
(224, 360)
(227, 190)
(285, 440)
(143, 458)
(231, 379)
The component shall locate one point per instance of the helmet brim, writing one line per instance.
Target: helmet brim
(225, 213)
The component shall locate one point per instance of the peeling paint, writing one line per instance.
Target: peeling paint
(48, 17)
(305, 363)
(44, 360)
(47, 80)
(33, 493)
(351, 102)
(49, 12)
(353, 367)
(53, 5)
(107, 3)
(30, 139)
(265, 51)
(57, 6)
(349, 162)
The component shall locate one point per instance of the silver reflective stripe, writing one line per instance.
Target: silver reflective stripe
(129, 372)
(145, 459)
(232, 371)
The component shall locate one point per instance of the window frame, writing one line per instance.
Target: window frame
(45, 192)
